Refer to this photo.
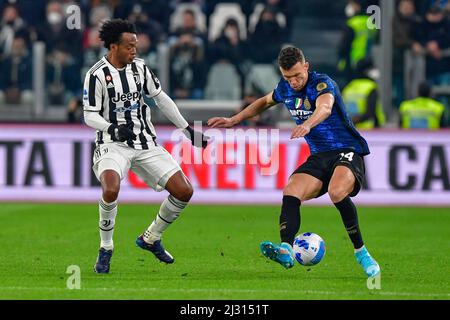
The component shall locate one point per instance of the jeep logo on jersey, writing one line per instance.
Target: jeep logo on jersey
(126, 97)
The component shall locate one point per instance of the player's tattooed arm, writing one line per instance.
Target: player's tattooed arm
(324, 105)
(253, 109)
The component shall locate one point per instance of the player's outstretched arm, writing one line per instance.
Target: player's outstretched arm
(171, 111)
(324, 105)
(252, 110)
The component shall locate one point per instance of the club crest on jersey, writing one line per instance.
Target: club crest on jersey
(137, 78)
(307, 104)
(298, 103)
(126, 97)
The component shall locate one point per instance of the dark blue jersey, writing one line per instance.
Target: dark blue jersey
(334, 133)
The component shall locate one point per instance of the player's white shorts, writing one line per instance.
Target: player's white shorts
(155, 166)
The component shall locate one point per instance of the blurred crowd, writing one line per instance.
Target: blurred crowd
(424, 28)
(199, 34)
(421, 27)
(219, 50)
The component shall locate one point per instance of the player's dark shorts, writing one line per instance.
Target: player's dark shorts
(322, 165)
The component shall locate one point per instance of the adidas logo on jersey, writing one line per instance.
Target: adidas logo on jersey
(126, 96)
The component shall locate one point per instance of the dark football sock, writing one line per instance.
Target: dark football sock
(289, 219)
(350, 219)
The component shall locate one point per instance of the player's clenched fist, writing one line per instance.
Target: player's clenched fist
(220, 122)
(122, 133)
(197, 138)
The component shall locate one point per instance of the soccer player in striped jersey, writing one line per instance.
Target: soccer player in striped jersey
(126, 139)
(336, 164)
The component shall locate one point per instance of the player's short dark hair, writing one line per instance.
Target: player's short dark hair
(111, 31)
(189, 12)
(289, 56)
(424, 90)
(435, 9)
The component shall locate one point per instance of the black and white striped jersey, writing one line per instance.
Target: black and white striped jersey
(117, 96)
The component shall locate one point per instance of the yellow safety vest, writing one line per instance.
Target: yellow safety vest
(421, 113)
(355, 96)
(364, 36)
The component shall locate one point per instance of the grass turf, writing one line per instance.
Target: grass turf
(216, 250)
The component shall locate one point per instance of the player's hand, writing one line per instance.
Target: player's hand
(122, 133)
(300, 131)
(220, 122)
(126, 132)
(198, 139)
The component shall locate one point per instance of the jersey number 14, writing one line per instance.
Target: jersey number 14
(348, 156)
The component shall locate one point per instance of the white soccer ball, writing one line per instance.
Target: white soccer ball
(309, 248)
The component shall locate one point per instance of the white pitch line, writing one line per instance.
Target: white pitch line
(372, 292)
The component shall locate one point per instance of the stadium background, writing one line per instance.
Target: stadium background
(214, 70)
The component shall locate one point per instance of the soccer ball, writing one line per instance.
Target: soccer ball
(309, 248)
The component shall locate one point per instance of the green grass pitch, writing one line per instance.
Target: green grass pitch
(216, 250)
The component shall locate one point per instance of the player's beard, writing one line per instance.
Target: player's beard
(127, 59)
(302, 84)
(299, 87)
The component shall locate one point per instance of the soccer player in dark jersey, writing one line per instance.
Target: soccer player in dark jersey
(336, 164)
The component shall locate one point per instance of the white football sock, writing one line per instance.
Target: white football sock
(108, 212)
(168, 212)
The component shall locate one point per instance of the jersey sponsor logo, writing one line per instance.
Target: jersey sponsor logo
(321, 86)
(130, 108)
(301, 114)
(126, 97)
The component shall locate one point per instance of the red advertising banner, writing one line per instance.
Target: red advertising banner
(43, 163)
